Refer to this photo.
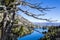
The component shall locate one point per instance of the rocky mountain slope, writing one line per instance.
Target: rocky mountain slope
(21, 25)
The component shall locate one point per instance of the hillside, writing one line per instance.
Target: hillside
(21, 26)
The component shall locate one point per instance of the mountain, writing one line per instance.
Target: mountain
(20, 27)
(24, 21)
(46, 24)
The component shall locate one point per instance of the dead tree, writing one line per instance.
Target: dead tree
(7, 23)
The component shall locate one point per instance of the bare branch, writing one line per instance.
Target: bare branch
(28, 13)
(37, 6)
(34, 6)
(35, 16)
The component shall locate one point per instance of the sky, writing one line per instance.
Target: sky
(53, 13)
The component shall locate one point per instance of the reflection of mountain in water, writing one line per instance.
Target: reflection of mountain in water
(47, 24)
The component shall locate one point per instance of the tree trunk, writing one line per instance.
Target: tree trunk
(7, 26)
(3, 30)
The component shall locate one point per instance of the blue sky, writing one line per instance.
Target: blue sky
(54, 13)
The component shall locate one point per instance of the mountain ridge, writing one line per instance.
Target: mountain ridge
(46, 24)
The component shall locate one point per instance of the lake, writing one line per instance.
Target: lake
(35, 35)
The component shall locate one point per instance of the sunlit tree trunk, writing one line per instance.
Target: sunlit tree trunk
(7, 24)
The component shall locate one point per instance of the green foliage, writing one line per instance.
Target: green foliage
(7, 2)
(52, 32)
(16, 21)
(21, 31)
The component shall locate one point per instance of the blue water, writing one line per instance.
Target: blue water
(34, 35)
